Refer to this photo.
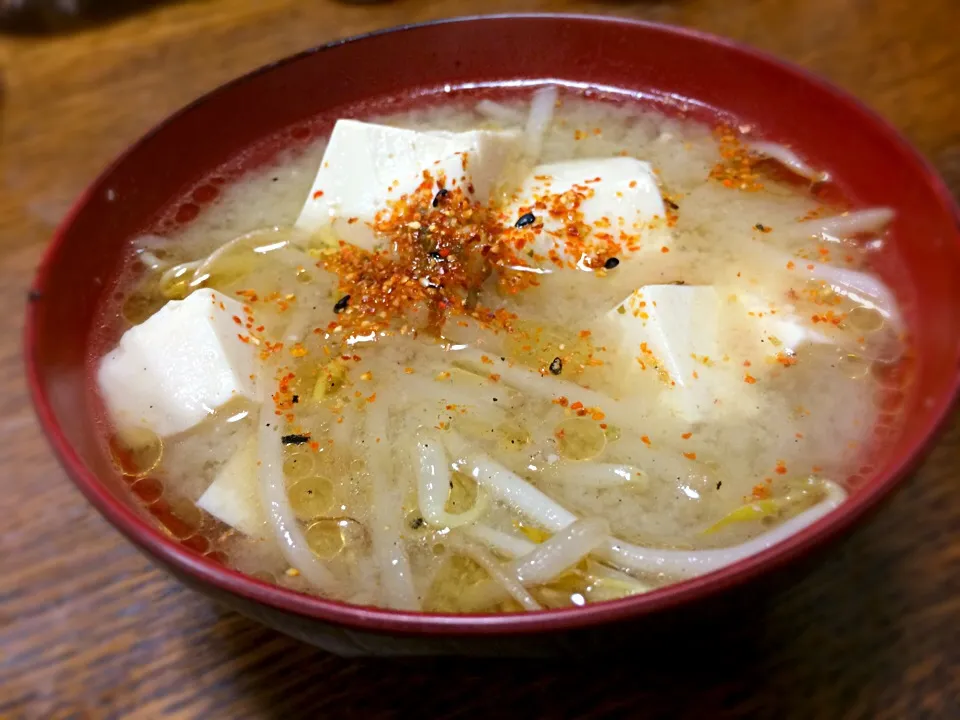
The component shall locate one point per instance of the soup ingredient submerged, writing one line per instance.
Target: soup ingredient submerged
(506, 359)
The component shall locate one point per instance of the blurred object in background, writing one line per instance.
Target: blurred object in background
(39, 17)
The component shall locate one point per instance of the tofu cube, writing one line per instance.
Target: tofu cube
(772, 328)
(176, 368)
(618, 199)
(365, 166)
(676, 329)
(234, 495)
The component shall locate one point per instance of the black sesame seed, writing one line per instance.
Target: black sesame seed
(295, 399)
(441, 193)
(760, 227)
(719, 483)
(341, 304)
(295, 439)
(556, 367)
(526, 219)
(417, 523)
(671, 204)
(435, 255)
(611, 263)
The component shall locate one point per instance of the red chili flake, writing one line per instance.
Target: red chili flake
(494, 377)
(750, 379)
(781, 468)
(645, 440)
(664, 249)
(785, 359)
(318, 194)
(690, 455)
(687, 435)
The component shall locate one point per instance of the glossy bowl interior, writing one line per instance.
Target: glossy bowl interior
(680, 68)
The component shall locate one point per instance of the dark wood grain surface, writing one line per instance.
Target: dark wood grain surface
(89, 629)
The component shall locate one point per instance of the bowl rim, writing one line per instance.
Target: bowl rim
(176, 557)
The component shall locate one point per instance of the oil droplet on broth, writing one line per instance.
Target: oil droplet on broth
(326, 537)
(197, 543)
(854, 366)
(580, 438)
(148, 489)
(136, 452)
(311, 497)
(864, 319)
(463, 494)
(512, 435)
(264, 576)
(298, 465)
(188, 512)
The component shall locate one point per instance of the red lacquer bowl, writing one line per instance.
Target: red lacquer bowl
(681, 68)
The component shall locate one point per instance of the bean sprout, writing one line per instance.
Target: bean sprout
(541, 115)
(433, 487)
(789, 159)
(273, 492)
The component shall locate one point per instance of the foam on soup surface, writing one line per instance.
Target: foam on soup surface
(479, 357)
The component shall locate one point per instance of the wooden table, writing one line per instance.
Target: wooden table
(88, 629)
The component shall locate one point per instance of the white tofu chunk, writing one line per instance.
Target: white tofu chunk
(366, 165)
(775, 325)
(618, 198)
(176, 368)
(234, 495)
(676, 329)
